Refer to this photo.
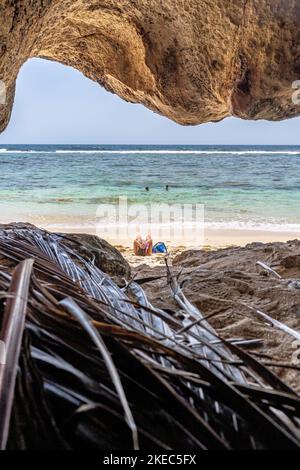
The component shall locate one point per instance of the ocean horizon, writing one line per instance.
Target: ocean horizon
(241, 187)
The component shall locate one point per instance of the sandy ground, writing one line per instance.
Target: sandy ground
(213, 239)
(216, 238)
(151, 261)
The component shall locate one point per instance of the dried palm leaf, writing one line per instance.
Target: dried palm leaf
(11, 335)
(99, 368)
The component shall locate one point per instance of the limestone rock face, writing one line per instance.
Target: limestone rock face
(193, 61)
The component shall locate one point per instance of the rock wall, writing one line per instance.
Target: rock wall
(193, 61)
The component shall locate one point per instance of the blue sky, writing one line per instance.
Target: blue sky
(57, 104)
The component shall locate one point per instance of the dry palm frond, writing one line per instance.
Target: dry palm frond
(98, 368)
(11, 335)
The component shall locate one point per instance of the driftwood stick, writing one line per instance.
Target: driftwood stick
(275, 323)
(268, 269)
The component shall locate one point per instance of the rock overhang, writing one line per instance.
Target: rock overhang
(193, 62)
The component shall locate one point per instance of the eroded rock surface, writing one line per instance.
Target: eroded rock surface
(193, 61)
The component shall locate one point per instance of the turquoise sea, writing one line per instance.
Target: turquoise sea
(240, 186)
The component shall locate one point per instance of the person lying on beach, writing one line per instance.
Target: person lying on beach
(143, 247)
(149, 245)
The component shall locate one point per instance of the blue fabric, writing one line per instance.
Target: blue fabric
(160, 248)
